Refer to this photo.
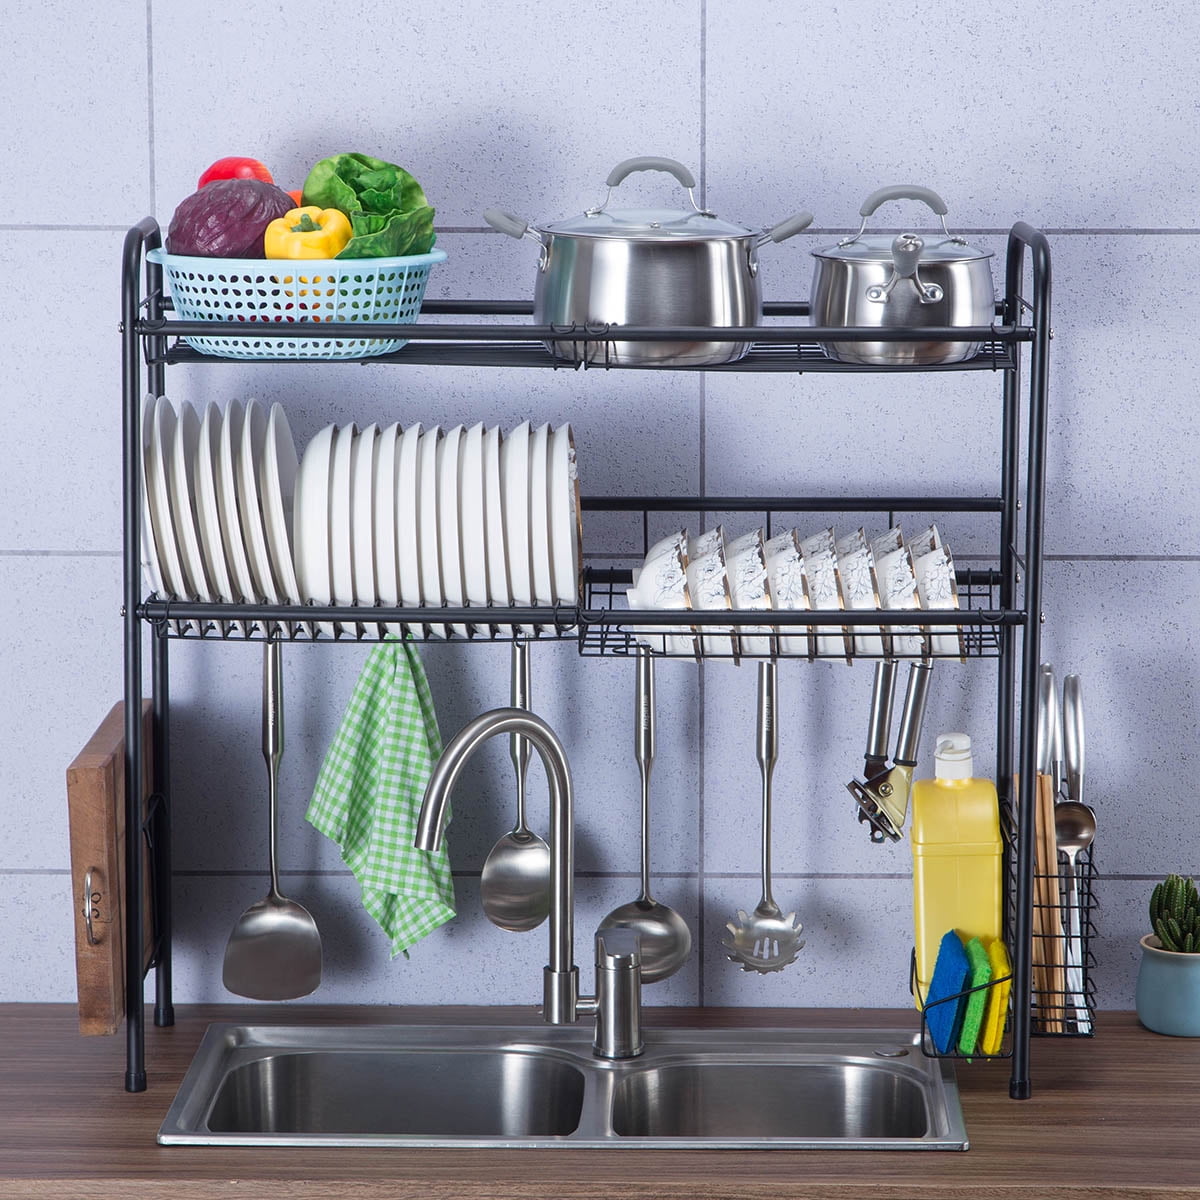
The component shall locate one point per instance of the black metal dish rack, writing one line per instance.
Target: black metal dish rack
(997, 601)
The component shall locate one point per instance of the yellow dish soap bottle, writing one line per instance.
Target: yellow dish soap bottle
(956, 849)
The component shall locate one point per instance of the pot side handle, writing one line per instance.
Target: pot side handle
(786, 229)
(505, 222)
(903, 191)
(650, 163)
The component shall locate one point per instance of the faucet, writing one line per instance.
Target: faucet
(617, 1004)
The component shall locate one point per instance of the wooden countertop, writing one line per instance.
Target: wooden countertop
(1113, 1116)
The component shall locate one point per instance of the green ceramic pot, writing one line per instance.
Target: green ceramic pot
(1168, 990)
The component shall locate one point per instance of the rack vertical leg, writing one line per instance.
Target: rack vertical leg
(164, 1009)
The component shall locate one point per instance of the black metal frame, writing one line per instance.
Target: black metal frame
(1010, 602)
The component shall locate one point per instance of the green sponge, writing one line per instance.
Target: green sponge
(981, 974)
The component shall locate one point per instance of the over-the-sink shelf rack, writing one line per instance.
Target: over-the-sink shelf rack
(996, 601)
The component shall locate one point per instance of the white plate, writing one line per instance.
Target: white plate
(383, 500)
(341, 538)
(539, 520)
(311, 526)
(449, 471)
(407, 520)
(564, 516)
(228, 452)
(362, 515)
(427, 524)
(181, 480)
(150, 562)
(472, 523)
(254, 533)
(162, 438)
(499, 591)
(208, 511)
(277, 488)
(514, 484)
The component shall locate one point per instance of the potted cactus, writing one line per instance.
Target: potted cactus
(1168, 984)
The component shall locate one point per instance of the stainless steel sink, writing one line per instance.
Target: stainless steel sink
(540, 1086)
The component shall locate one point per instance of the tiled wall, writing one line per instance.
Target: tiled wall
(1078, 117)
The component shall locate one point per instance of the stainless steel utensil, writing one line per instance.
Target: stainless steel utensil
(1073, 743)
(515, 883)
(1049, 729)
(664, 267)
(666, 940)
(1075, 828)
(883, 799)
(274, 951)
(765, 940)
(890, 282)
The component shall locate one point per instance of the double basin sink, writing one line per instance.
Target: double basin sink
(541, 1086)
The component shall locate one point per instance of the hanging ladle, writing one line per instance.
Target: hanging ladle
(666, 940)
(515, 885)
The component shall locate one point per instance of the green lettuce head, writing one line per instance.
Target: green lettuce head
(388, 211)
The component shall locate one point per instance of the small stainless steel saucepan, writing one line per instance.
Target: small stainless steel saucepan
(647, 267)
(904, 281)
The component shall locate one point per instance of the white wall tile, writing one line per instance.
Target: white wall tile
(61, 663)
(74, 84)
(1006, 113)
(517, 108)
(60, 423)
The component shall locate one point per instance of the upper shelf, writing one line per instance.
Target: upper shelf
(779, 347)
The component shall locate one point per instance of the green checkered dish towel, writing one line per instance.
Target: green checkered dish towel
(369, 790)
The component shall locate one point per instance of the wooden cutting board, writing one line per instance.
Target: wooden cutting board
(96, 804)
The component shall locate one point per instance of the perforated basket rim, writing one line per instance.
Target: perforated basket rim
(160, 257)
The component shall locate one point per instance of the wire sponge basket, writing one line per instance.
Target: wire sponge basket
(263, 291)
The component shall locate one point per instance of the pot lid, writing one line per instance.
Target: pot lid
(648, 224)
(877, 247)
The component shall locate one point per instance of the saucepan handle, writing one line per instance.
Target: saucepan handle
(903, 191)
(650, 162)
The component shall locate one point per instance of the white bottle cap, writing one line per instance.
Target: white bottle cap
(953, 757)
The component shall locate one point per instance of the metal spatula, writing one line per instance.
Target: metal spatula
(765, 940)
(274, 951)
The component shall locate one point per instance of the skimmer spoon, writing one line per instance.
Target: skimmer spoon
(765, 940)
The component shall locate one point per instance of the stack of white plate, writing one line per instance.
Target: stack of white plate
(400, 518)
(430, 517)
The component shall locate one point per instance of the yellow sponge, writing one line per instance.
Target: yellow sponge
(994, 1017)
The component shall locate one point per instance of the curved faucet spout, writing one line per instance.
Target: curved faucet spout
(561, 983)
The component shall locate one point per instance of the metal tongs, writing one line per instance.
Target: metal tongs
(883, 792)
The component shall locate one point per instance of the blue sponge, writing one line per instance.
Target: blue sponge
(951, 975)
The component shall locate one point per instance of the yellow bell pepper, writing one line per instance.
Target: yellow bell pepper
(308, 232)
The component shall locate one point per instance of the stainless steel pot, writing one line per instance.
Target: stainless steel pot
(905, 281)
(647, 267)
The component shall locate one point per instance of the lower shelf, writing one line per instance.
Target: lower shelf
(605, 625)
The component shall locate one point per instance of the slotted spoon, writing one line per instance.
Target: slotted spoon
(765, 940)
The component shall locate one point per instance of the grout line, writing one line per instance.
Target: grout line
(150, 97)
(703, 116)
(60, 553)
(56, 872)
(814, 230)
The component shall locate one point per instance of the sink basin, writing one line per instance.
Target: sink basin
(403, 1092)
(541, 1086)
(845, 1101)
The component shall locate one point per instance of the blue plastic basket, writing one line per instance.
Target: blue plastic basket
(261, 291)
